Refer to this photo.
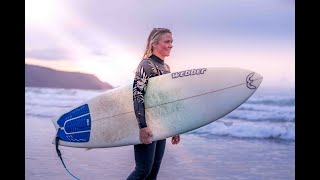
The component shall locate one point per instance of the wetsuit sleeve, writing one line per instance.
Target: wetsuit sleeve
(143, 73)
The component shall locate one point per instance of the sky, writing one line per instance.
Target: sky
(107, 38)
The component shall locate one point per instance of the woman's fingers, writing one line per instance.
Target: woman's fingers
(146, 135)
(175, 139)
(146, 139)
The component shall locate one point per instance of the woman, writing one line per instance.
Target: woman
(148, 155)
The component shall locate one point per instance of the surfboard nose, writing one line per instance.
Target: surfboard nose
(253, 80)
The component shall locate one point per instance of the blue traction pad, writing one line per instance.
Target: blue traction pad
(75, 125)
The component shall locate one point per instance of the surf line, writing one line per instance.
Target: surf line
(173, 101)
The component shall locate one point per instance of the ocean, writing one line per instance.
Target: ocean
(255, 141)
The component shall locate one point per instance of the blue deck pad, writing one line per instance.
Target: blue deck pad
(79, 111)
(75, 125)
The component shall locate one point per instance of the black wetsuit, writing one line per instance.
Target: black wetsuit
(147, 156)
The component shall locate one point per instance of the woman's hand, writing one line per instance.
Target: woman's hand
(146, 135)
(175, 139)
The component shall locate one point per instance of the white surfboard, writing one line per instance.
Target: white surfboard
(175, 104)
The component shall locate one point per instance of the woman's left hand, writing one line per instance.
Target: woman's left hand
(175, 139)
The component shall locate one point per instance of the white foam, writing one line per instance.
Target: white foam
(247, 129)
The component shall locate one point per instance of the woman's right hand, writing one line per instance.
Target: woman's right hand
(146, 135)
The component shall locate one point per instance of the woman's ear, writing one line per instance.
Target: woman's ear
(152, 46)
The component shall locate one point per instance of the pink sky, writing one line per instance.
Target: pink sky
(107, 38)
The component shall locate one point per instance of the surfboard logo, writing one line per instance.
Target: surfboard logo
(188, 73)
(250, 81)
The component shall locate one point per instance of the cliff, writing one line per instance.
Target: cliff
(38, 76)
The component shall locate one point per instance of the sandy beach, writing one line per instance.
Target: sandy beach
(196, 157)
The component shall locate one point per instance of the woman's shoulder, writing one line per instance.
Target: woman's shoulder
(167, 66)
(145, 62)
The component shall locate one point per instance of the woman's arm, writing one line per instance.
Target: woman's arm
(144, 71)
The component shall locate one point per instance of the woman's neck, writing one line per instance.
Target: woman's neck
(158, 55)
(157, 59)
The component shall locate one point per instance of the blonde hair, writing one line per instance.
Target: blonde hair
(154, 37)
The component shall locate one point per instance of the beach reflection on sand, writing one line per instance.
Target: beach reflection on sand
(196, 157)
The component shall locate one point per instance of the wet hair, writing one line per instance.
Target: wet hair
(154, 37)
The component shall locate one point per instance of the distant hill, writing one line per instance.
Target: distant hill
(38, 76)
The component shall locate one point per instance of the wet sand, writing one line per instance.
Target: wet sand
(195, 157)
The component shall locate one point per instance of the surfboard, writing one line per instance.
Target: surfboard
(175, 103)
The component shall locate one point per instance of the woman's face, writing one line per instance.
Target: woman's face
(163, 47)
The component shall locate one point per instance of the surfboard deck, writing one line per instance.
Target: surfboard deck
(175, 103)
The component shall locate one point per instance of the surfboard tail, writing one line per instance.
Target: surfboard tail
(253, 80)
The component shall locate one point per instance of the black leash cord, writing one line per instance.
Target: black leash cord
(59, 154)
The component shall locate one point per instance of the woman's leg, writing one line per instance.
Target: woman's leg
(160, 148)
(144, 158)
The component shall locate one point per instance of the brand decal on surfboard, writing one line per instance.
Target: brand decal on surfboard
(249, 81)
(188, 72)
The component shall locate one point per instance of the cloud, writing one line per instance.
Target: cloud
(47, 54)
(99, 52)
(90, 39)
(97, 26)
(269, 18)
(220, 32)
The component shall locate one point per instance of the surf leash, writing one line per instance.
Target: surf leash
(59, 154)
